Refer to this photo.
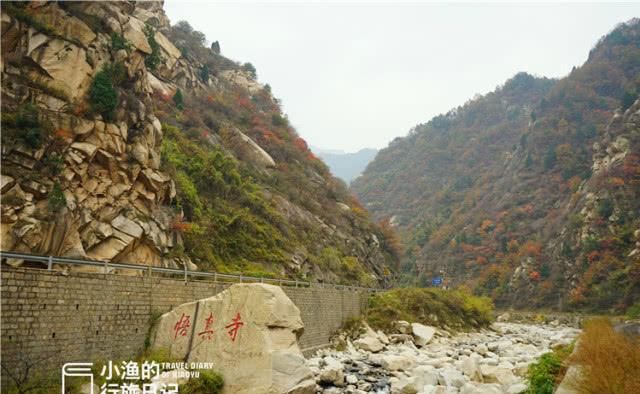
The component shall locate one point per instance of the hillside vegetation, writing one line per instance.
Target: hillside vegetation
(528, 194)
(451, 309)
(144, 144)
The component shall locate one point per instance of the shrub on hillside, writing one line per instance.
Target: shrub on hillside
(32, 133)
(178, 99)
(250, 69)
(119, 42)
(208, 382)
(56, 200)
(633, 312)
(102, 93)
(610, 361)
(456, 309)
(153, 60)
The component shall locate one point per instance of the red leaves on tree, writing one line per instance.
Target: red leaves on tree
(301, 144)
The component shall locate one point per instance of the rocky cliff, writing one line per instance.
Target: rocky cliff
(127, 139)
(528, 193)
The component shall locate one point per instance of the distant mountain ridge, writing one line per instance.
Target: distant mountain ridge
(346, 165)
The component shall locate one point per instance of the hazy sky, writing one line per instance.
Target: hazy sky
(354, 75)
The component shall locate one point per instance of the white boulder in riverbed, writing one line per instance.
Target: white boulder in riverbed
(332, 372)
(422, 334)
(249, 332)
(395, 362)
(370, 340)
(471, 369)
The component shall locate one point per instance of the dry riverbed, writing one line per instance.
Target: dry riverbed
(487, 361)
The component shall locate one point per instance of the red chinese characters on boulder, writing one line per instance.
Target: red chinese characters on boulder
(207, 333)
(182, 325)
(234, 327)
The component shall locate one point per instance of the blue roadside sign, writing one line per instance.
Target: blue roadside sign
(437, 281)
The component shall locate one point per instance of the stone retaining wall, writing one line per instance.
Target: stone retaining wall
(49, 318)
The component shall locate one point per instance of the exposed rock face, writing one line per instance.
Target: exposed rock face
(248, 331)
(252, 151)
(242, 79)
(114, 193)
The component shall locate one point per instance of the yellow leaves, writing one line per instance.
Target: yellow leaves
(574, 183)
(486, 226)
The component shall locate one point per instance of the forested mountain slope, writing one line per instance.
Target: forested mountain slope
(127, 139)
(529, 193)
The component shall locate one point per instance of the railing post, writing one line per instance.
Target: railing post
(106, 267)
(50, 263)
(150, 271)
(296, 282)
(215, 277)
(185, 273)
(240, 278)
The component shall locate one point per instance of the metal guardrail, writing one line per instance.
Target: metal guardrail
(186, 273)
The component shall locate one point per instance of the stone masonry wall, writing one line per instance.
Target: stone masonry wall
(49, 318)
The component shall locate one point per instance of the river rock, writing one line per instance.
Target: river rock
(369, 344)
(495, 374)
(475, 388)
(451, 378)
(249, 332)
(332, 372)
(394, 362)
(422, 333)
(517, 388)
(504, 317)
(402, 326)
(470, 368)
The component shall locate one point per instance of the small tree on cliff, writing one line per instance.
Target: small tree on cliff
(178, 99)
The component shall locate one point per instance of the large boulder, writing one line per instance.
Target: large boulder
(369, 341)
(332, 372)
(66, 64)
(470, 367)
(422, 333)
(241, 79)
(396, 362)
(249, 332)
(369, 344)
(133, 32)
(249, 150)
(65, 25)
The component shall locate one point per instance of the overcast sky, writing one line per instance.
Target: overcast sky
(355, 75)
